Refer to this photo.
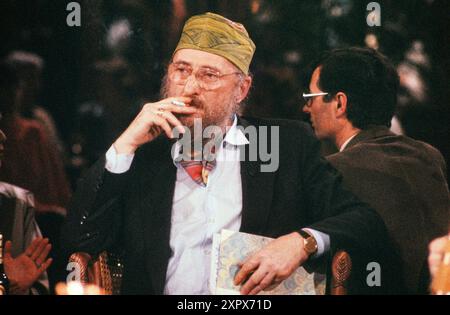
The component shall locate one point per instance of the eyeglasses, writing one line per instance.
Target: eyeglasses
(207, 79)
(309, 97)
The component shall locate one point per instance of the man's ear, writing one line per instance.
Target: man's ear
(341, 106)
(244, 88)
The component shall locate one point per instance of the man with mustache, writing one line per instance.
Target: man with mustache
(163, 211)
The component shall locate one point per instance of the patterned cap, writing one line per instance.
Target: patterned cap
(215, 34)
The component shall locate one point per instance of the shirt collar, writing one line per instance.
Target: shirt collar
(347, 142)
(234, 137)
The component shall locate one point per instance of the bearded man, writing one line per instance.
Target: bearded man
(162, 201)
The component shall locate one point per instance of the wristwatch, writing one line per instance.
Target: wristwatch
(310, 243)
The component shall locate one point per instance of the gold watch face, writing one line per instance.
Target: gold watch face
(310, 245)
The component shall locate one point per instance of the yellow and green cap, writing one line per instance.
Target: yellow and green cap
(215, 34)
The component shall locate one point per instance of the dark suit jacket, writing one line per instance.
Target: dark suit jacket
(133, 210)
(404, 180)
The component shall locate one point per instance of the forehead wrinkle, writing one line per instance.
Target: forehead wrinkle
(201, 66)
(200, 59)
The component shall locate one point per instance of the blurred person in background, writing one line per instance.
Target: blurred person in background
(25, 258)
(29, 68)
(32, 162)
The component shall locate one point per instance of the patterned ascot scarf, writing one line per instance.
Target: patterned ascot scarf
(199, 170)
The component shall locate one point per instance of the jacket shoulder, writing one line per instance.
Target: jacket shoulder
(291, 128)
(15, 192)
(286, 123)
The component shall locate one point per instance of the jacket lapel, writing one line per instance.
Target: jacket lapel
(257, 191)
(7, 213)
(156, 207)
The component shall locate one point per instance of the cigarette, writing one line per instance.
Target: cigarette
(178, 103)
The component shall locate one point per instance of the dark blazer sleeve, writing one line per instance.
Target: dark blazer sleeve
(95, 213)
(350, 223)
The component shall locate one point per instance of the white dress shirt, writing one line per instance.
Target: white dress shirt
(200, 212)
(345, 144)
